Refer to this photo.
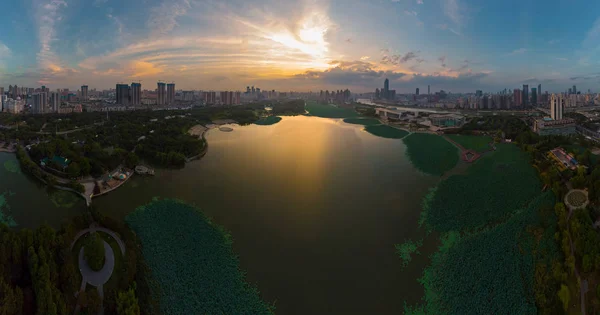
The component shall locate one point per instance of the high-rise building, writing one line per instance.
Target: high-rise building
(518, 97)
(574, 89)
(539, 90)
(122, 94)
(386, 89)
(54, 101)
(1, 91)
(38, 102)
(136, 93)
(557, 103)
(417, 92)
(84, 92)
(479, 93)
(170, 93)
(525, 95)
(534, 95)
(160, 92)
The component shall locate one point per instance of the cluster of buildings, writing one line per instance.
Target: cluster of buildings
(556, 124)
(386, 93)
(337, 97)
(40, 100)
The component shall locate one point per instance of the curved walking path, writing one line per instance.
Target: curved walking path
(93, 228)
(100, 277)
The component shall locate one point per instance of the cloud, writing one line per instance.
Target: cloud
(398, 59)
(46, 16)
(363, 58)
(5, 52)
(553, 41)
(413, 13)
(586, 77)
(453, 11)
(518, 51)
(442, 59)
(419, 1)
(163, 18)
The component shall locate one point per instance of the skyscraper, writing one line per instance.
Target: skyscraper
(539, 90)
(518, 97)
(160, 99)
(534, 95)
(574, 89)
(386, 89)
(38, 102)
(136, 93)
(556, 106)
(54, 101)
(170, 93)
(525, 95)
(417, 91)
(84, 92)
(122, 94)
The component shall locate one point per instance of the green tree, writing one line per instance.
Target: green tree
(74, 170)
(93, 300)
(565, 296)
(588, 263)
(127, 303)
(94, 251)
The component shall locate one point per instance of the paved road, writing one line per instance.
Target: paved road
(101, 229)
(97, 278)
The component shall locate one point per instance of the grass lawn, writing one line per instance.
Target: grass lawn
(362, 121)
(431, 154)
(386, 132)
(329, 111)
(271, 120)
(475, 143)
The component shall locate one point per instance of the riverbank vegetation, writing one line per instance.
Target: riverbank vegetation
(385, 131)
(192, 260)
(475, 143)
(271, 120)
(362, 121)
(324, 110)
(431, 154)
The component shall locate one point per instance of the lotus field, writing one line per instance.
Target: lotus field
(431, 154)
(386, 132)
(192, 260)
(475, 143)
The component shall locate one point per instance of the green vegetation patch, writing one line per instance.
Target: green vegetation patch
(271, 120)
(5, 217)
(475, 143)
(63, 199)
(192, 260)
(407, 249)
(491, 272)
(329, 111)
(386, 132)
(431, 154)
(493, 188)
(93, 251)
(11, 166)
(362, 121)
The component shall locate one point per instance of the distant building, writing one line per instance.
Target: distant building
(84, 92)
(39, 102)
(518, 97)
(557, 104)
(171, 93)
(160, 92)
(417, 92)
(525, 98)
(54, 101)
(548, 126)
(136, 94)
(122, 94)
(447, 120)
(210, 97)
(534, 95)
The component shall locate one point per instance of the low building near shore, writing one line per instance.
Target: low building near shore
(548, 126)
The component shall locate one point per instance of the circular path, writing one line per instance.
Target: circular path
(97, 278)
(579, 196)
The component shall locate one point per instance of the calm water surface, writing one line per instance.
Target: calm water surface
(315, 207)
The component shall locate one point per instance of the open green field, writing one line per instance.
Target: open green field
(431, 154)
(271, 120)
(386, 132)
(192, 260)
(329, 111)
(475, 143)
(362, 121)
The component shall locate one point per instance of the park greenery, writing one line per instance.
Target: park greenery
(11, 166)
(192, 260)
(431, 154)
(324, 110)
(93, 251)
(5, 210)
(407, 249)
(363, 121)
(271, 120)
(386, 131)
(475, 143)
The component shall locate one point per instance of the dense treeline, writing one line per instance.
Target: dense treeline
(510, 125)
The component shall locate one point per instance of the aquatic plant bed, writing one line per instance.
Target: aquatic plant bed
(362, 121)
(192, 260)
(491, 272)
(431, 154)
(386, 132)
(475, 143)
(329, 111)
(494, 187)
(271, 120)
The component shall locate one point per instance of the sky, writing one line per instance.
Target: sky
(302, 45)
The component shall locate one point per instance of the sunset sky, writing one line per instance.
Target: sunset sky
(455, 45)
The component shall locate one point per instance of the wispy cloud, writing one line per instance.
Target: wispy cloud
(398, 59)
(47, 15)
(453, 11)
(553, 41)
(419, 1)
(163, 18)
(413, 13)
(363, 58)
(519, 51)
(5, 52)
(442, 59)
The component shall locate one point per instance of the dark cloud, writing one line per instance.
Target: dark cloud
(442, 59)
(586, 77)
(398, 59)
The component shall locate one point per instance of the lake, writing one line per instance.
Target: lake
(315, 207)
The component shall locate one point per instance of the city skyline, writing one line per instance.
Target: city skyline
(452, 45)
